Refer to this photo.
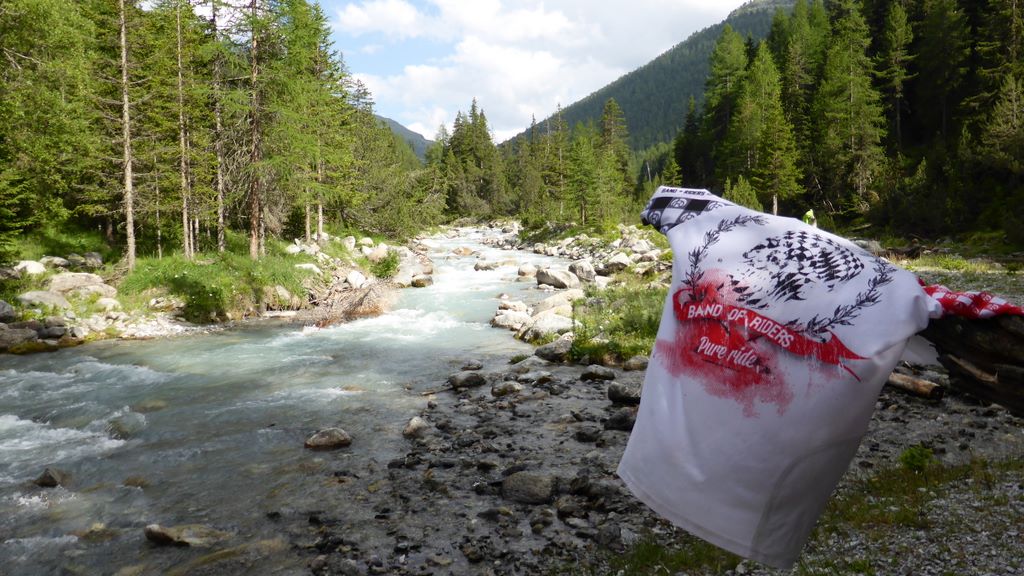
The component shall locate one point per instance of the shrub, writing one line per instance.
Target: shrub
(387, 266)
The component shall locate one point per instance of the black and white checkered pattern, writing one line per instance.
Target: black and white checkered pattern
(780, 267)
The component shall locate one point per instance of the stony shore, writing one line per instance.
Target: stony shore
(511, 470)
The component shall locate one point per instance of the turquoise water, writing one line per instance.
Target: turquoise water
(212, 425)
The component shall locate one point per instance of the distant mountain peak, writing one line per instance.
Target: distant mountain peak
(418, 142)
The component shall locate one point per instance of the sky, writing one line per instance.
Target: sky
(425, 60)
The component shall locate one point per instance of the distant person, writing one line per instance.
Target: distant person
(810, 219)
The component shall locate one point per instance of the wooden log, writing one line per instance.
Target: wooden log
(916, 386)
(1004, 385)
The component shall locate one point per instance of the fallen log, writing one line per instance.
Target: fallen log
(985, 358)
(916, 386)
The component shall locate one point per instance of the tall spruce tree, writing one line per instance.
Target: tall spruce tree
(894, 60)
(722, 91)
(47, 139)
(850, 125)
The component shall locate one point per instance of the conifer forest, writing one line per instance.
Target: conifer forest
(193, 125)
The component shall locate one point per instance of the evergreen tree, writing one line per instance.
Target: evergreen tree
(728, 69)
(615, 138)
(943, 51)
(893, 65)
(46, 137)
(850, 123)
(742, 193)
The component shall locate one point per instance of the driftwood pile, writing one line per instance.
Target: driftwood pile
(985, 358)
(339, 302)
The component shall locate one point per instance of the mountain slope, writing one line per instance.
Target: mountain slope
(415, 139)
(654, 97)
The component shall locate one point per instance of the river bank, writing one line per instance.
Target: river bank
(500, 461)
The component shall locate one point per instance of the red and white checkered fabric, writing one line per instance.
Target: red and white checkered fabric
(973, 305)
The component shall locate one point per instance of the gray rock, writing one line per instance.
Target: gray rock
(485, 266)
(513, 306)
(355, 279)
(78, 332)
(53, 477)
(556, 351)
(545, 326)
(872, 246)
(622, 419)
(76, 260)
(54, 261)
(44, 298)
(527, 270)
(9, 274)
(7, 312)
(557, 301)
(195, 535)
(416, 427)
(598, 372)
(378, 253)
(635, 363)
(51, 332)
(528, 487)
(466, 379)
(620, 393)
(506, 388)
(93, 259)
(557, 278)
(583, 270)
(510, 319)
(65, 282)
(616, 263)
(349, 243)
(30, 267)
(328, 439)
(101, 290)
(108, 304)
(422, 281)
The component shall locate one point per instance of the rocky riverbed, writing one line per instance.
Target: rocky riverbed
(513, 472)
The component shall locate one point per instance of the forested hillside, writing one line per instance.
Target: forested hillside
(905, 114)
(654, 96)
(178, 125)
(416, 141)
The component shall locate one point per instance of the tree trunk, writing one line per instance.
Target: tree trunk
(186, 194)
(218, 130)
(255, 191)
(319, 200)
(126, 134)
(309, 233)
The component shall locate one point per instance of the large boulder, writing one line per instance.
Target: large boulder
(556, 351)
(379, 253)
(616, 263)
(583, 270)
(422, 281)
(43, 298)
(598, 372)
(67, 282)
(620, 393)
(557, 278)
(7, 312)
(416, 427)
(30, 267)
(527, 270)
(349, 243)
(545, 326)
(557, 301)
(54, 262)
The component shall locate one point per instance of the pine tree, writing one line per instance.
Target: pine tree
(742, 193)
(725, 80)
(849, 116)
(893, 62)
(46, 134)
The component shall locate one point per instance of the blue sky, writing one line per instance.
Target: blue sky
(424, 60)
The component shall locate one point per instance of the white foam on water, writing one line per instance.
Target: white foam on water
(23, 442)
(402, 325)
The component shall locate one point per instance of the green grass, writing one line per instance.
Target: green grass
(621, 321)
(64, 239)
(213, 286)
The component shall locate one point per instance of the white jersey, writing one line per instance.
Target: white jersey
(774, 343)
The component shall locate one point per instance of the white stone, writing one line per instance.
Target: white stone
(30, 267)
(355, 279)
(311, 267)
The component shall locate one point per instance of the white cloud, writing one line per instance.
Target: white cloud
(517, 58)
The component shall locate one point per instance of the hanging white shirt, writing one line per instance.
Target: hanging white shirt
(775, 340)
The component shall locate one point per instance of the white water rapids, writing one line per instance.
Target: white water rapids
(209, 428)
